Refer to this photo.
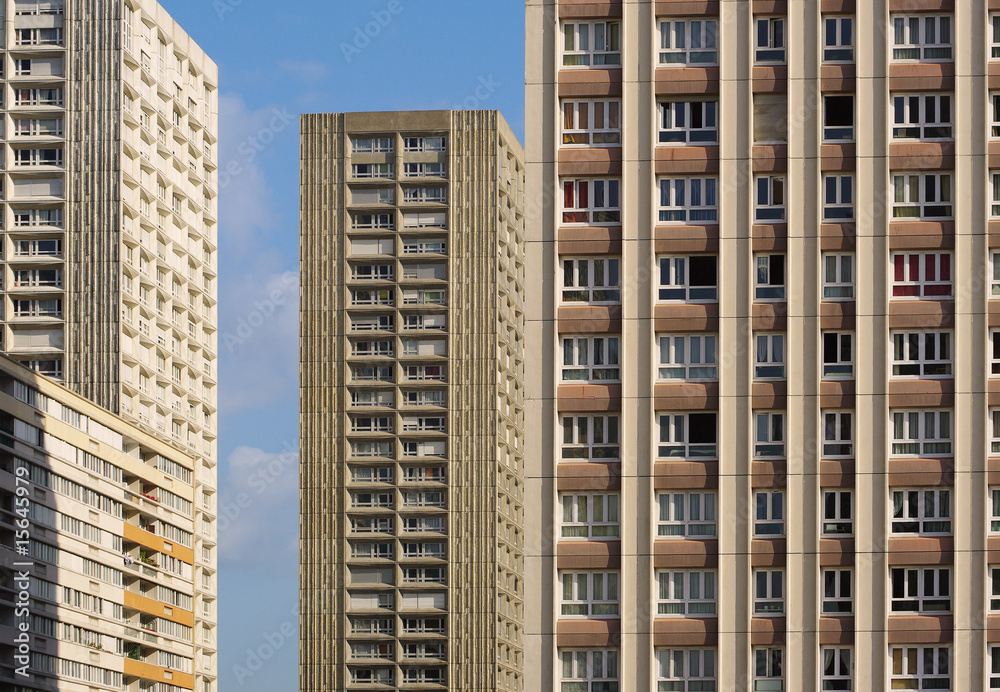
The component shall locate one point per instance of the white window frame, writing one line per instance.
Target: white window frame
(995, 110)
(675, 280)
(838, 132)
(920, 511)
(764, 288)
(689, 514)
(994, 35)
(836, 668)
(768, 669)
(932, 669)
(362, 171)
(769, 434)
(918, 287)
(593, 280)
(993, 579)
(838, 512)
(591, 123)
(994, 508)
(919, 117)
(596, 669)
(590, 594)
(675, 442)
(769, 206)
(923, 354)
(925, 590)
(591, 359)
(922, 196)
(839, 50)
(769, 513)
(425, 144)
(838, 198)
(838, 434)
(910, 42)
(768, 592)
(995, 194)
(838, 276)
(686, 670)
(590, 516)
(688, 201)
(593, 44)
(688, 122)
(994, 669)
(769, 40)
(600, 437)
(604, 190)
(769, 356)
(921, 432)
(838, 592)
(688, 358)
(685, 42)
(373, 145)
(687, 593)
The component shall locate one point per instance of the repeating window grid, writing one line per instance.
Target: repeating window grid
(592, 280)
(769, 281)
(687, 594)
(769, 434)
(921, 433)
(838, 512)
(920, 667)
(921, 354)
(838, 590)
(770, 35)
(769, 513)
(591, 201)
(689, 122)
(768, 669)
(921, 37)
(921, 511)
(592, 517)
(688, 358)
(837, 671)
(592, 44)
(687, 515)
(920, 590)
(688, 200)
(686, 670)
(589, 670)
(689, 279)
(591, 359)
(995, 511)
(921, 275)
(921, 196)
(994, 579)
(688, 436)
(838, 39)
(592, 123)
(838, 434)
(838, 118)
(925, 117)
(689, 42)
(838, 198)
(591, 437)
(589, 594)
(769, 352)
(770, 198)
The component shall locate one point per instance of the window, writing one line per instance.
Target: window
(589, 594)
(838, 512)
(838, 276)
(921, 37)
(592, 123)
(689, 42)
(425, 144)
(769, 588)
(921, 354)
(995, 101)
(770, 118)
(687, 515)
(687, 594)
(921, 196)
(372, 145)
(688, 357)
(596, 280)
(921, 433)
(425, 195)
(686, 670)
(591, 201)
(921, 275)
(838, 118)
(994, 590)
(769, 518)
(770, 356)
(689, 279)
(590, 437)
(995, 198)
(596, 44)
(838, 39)
(688, 200)
(373, 221)
(591, 359)
(589, 671)
(921, 511)
(837, 590)
(921, 116)
(920, 668)
(838, 355)
(371, 170)
(921, 589)
(994, 510)
(994, 665)
(770, 39)
(425, 170)
(837, 667)
(994, 422)
(769, 434)
(689, 122)
(768, 669)
(770, 279)
(770, 198)
(590, 516)
(838, 198)
(688, 436)
(838, 434)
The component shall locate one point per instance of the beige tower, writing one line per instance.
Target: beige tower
(763, 452)
(412, 391)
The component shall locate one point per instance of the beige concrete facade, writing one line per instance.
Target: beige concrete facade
(412, 395)
(810, 184)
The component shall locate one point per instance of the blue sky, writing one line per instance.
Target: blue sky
(277, 60)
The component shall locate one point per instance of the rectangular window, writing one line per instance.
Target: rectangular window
(838, 276)
(769, 434)
(921, 354)
(920, 668)
(591, 201)
(838, 355)
(425, 170)
(768, 669)
(687, 515)
(921, 590)
(689, 279)
(592, 123)
(994, 590)
(770, 278)
(371, 170)
(921, 37)
(921, 433)
(592, 280)
(769, 517)
(425, 195)
(995, 36)
(921, 196)
(689, 122)
(838, 39)
(589, 671)
(589, 594)
(688, 357)
(592, 44)
(592, 517)
(688, 200)
(687, 594)
(994, 653)
(768, 592)
(921, 275)
(922, 116)
(838, 512)
(686, 670)
(770, 198)
(921, 511)
(995, 108)
(838, 118)
(994, 510)
(425, 144)
(838, 434)
(770, 40)
(372, 145)
(837, 590)
(689, 42)
(591, 359)
(838, 198)
(994, 427)
(688, 436)
(769, 351)
(837, 668)
(590, 437)
(373, 221)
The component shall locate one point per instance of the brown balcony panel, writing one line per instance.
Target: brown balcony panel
(836, 552)
(921, 314)
(686, 8)
(837, 236)
(685, 554)
(589, 555)
(684, 239)
(836, 393)
(584, 476)
(918, 551)
(993, 550)
(993, 621)
(836, 473)
(994, 313)
(590, 241)
(767, 553)
(936, 76)
(590, 161)
(769, 474)
(770, 395)
(770, 158)
(682, 159)
(770, 6)
(921, 5)
(682, 81)
(921, 393)
(838, 6)
(579, 9)
(993, 227)
(592, 82)
(769, 237)
(921, 629)
(588, 634)
(834, 631)
(683, 632)
(921, 156)
(921, 235)
(767, 631)
(770, 317)
(686, 396)
(586, 398)
(993, 386)
(993, 5)
(993, 470)
(921, 472)
(687, 317)
(838, 158)
(590, 319)
(993, 75)
(838, 79)
(769, 79)
(685, 475)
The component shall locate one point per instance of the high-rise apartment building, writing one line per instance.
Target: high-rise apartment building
(109, 230)
(764, 416)
(412, 394)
